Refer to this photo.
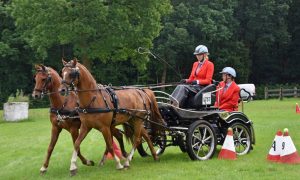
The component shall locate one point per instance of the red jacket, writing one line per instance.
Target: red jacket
(205, 74)
(229, 99)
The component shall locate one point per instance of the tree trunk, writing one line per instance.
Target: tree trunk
(164, 75)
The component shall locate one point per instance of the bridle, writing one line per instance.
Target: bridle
(44, 90)
(74, 75)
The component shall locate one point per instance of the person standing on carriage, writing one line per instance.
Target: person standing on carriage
(227, 98)
(201, 75)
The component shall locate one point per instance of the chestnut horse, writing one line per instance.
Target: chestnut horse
(63, 114)
(133, 107)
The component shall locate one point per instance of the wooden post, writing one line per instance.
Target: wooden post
(295, 92)
(266, 92)
(280, 94)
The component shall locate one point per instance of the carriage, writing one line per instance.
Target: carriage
(198, 127)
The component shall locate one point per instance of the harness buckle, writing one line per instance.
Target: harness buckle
(60, 119)
(84, 111)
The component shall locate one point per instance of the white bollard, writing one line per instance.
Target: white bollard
(15, 111)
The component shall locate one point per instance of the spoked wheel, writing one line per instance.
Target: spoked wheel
(201, 141)
(241, 137)
(159, 145)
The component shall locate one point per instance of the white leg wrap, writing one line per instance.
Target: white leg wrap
(73, 161)
(118, 163)
(131, 154)
(129, 158)
(43, 169)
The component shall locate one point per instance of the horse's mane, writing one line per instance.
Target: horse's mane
(53, 72)
(87, 73)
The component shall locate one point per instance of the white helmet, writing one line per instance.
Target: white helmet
(200, 49)
(229, 70)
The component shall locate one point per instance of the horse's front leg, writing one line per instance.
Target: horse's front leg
(55, 131)
(74, 133)
(108, 140)
(84, 130)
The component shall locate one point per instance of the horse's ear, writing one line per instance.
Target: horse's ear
(75, 61)
(37, 67)
(43, 67)
(63, 61)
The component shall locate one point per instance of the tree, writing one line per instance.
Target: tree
(104, 30)
(211, 23)
(292, 64)
(15, 58)
(264, 32)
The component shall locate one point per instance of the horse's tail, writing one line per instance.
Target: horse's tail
(157, 124)
(128, 132)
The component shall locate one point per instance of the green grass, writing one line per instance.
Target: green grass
(23, 148)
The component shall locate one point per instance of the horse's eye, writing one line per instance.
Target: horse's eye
(43, 80)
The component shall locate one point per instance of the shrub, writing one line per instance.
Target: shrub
(18, 97)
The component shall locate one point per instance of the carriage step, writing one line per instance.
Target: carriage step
(179, 128)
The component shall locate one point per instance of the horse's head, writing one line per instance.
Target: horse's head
(42, 80)
(70, 75)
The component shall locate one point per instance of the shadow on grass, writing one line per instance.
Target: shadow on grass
(17, 122)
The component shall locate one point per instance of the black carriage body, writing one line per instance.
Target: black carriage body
(180, 119)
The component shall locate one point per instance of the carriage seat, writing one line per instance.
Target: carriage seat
(203, 98)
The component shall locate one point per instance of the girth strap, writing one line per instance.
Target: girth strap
(115, 101)
(64, 112)
(100, 110)
(93, 110)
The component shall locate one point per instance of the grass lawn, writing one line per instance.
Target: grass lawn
(23, 148)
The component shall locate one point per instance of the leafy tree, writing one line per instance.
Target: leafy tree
(292, 64)
(264, 32)
(211, 23)
(105, 30)
(15, 58)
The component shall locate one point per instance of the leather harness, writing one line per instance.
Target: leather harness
(115, 102)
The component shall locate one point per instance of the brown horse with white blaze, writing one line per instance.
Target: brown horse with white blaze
(133, 107)
(63, 114)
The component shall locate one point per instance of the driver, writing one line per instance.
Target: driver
(201, 75)
(227, 98)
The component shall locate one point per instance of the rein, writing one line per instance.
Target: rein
(149, 86)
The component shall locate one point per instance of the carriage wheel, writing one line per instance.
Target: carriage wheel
(159, 146)
(241, 137)
(201, 141)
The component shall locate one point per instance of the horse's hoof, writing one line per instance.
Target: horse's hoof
(156, 159)
(73, 172)
(126, 167)
(43, 172)
(126, 164)
(90, 163)
(120, 167)
(101, 163)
